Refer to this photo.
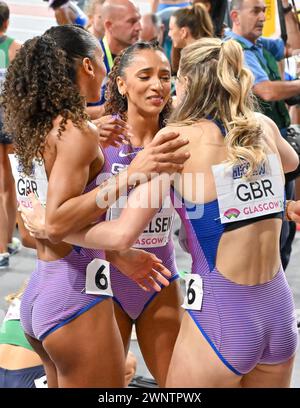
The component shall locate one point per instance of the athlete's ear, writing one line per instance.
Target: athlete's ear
(184, 32)
(122, 88)
(88, 67)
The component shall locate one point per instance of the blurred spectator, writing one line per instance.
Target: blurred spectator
(188, 25)
(95, 14)
(8, 202)
(261, 56)
(152, 28)
(68, 12)
(20, 365)
(122, 25)
(218, 11)
(159, 5)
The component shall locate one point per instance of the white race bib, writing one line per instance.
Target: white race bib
(37, 183)
(157, 233)
(98, 278)
(13, 312)
(41, 382)
(241, 199)
(193, 292)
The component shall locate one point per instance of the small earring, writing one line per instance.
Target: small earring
(122, 95)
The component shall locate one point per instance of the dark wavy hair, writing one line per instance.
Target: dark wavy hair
(114, 102)
(197, 19)
(40, 85)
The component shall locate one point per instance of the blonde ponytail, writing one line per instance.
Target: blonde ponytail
(219, 87)
(244, 139)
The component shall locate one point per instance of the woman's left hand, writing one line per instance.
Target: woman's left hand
(34, 218)
(113, 131)
(294, 211)
(142, 267)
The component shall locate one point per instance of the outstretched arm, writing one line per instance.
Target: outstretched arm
(142, 267)
(68, 209)
(120, 234)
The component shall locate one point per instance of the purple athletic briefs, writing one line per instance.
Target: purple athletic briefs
(245, 325)
(55, 294)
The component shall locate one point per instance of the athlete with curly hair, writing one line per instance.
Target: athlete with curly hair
(67, 311)
(139, 91)
(8, 204)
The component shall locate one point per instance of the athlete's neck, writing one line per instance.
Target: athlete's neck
(143, 128)
(190, 40)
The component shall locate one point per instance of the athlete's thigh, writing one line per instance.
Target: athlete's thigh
(2, 166)
(157, 329)
(125, 325)
(48, 364)
(270, 376)
(195, 364)
(6, 178)
(88, 351)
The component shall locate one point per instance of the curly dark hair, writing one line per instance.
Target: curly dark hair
(40, 85)
(114, 102)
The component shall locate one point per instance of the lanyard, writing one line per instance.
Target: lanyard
(109, 57)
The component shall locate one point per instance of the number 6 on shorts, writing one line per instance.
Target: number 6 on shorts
(98, 278)
(194, 292)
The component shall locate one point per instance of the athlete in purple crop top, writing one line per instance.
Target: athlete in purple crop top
(68, 300)
(139, 90)
(57, 302)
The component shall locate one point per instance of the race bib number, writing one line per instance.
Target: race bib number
(36, 183)
(41, 382)
(193, 292)
(13, 312)
(98, 278)
(241, 199)
(157, 233)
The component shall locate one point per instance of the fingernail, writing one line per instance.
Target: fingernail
(187, 154)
